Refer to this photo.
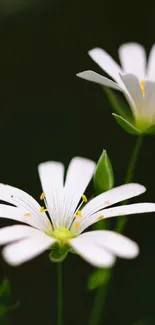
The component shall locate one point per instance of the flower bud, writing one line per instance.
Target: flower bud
(103, 177)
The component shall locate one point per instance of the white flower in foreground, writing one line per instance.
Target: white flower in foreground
(136, 79)
(64, 219)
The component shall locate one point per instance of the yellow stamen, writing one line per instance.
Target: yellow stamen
(100, 218)
(84, 198)
(42, 196)
(76, 225)
(79, 213)
(42, 209)
(27, 214)
(142, 84)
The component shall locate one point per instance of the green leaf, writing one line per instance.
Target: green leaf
(126, 125)
(104, 176)
(98, 278)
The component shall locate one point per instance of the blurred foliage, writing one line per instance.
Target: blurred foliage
(8, 6)
(6, 304)
(98, 278)
(145, 321)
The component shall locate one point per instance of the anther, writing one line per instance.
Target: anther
(76, 225)
(100, 217)
(27, 214)
(42, 196)
(142, 84)
(84, 198)
(79, 213)
(42, 209)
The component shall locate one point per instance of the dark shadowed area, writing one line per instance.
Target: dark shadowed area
(47, 113)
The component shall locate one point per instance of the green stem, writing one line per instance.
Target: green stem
(99, 302)
(133, 160)
(97, 310)
(60, 287)
(129, 176)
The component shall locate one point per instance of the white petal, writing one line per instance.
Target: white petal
(129, 209)
(119, 245)
(115, 195)
(26, 203)
(13, 194)
(91, 251)
(113, 242)
(13, 233)
(149, 111)
(52, 177)
(133, 59)
(79, 174)
(26, 249)
(116, 212)
(96, 77)
(13, 213)
(106, 62)
(133, 87)
(151, 65)
(103, 200)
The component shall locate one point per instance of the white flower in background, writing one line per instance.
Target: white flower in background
(64, 219)
(136, 79)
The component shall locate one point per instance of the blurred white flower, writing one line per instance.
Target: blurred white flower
(136, 79)
(64, 219)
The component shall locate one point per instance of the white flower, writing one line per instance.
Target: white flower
(136, 79)
(66, 220)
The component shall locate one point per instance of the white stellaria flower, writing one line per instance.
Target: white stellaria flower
(136, 79)
(64, 219)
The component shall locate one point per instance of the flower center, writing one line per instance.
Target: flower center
(62, 234)
(142, 84)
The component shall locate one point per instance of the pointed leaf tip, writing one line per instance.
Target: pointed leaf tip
(104, 176)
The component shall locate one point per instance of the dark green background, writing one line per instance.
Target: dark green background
(47, 113)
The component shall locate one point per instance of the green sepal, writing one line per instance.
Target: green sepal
(98, 278)
(58, 252)
(72, 251)
(126, 125)
(150, 129)
(104, 176)
(119, 106)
